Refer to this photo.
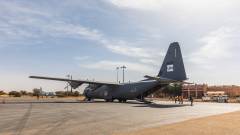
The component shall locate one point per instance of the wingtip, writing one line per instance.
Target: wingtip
(32, 76)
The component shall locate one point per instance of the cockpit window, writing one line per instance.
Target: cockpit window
(93, 86)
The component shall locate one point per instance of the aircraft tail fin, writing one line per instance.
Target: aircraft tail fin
(173, 67)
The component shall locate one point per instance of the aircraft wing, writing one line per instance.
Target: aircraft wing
(75, 83)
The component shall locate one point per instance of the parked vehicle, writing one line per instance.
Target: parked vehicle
(216, 98)
(223, 99)
(206, 99)
(238, 99)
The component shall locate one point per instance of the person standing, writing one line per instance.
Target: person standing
(176, 98)
(191, 100)
(181, 100)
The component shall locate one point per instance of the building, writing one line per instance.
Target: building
(195, 90)
(199, 90)
(230, 90)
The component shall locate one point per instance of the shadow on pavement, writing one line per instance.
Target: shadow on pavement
(134, 103)
(162, 105)
(66, 102)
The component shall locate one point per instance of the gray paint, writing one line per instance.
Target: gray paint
(172, 70)
(174, 58)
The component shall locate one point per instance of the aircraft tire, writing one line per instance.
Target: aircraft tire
(124, 100)
(108, 100)
(120, 100)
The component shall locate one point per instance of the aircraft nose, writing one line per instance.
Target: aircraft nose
(86, 92)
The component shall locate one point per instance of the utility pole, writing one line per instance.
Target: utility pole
(123, 67)
(117, 68)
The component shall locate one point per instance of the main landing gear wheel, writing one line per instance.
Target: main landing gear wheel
(122, 100)
(108, 100)
(88, 99)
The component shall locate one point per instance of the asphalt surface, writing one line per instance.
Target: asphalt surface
(98, 118)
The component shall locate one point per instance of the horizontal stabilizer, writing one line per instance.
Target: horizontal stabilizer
(152, 77)
(165, 80)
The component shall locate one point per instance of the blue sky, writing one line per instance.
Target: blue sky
(88, 39)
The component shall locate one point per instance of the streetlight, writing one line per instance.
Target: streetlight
(117, 68)
(123, 67)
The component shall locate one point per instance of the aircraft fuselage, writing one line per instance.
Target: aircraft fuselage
(125, 91)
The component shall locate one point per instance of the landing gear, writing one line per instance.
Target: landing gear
(122, 100)
(109, 100)
(88, 99)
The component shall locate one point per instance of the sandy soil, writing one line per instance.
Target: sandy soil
(225, 124)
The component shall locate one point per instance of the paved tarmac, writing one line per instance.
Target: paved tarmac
(98, 118)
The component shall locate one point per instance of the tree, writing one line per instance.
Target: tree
(36, 92)
(15, 94)
(76, 94)
(175, 89)
(2, 92)
(30, 94)
(23, 92)
(171, 90)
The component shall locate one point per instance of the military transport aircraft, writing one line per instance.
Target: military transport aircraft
(172, 71)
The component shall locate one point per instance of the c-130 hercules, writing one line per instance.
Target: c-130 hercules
(172, 71)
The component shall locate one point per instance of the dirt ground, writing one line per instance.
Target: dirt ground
(225, 124)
